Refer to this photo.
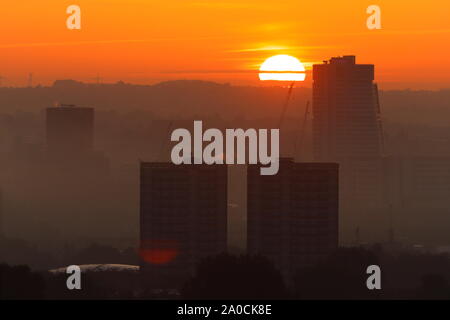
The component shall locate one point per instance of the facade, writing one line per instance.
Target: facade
(183, 218)
(346, 111)
(292, 217)
(72, 183)
(347, 129)
(70, 140)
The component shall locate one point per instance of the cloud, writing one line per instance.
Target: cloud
(80, 43)
(278, 48)
(223, 4)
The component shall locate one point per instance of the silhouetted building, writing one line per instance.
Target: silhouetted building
(292, 217)
(183, 218)
(347, 130)
(71, 182)
(70, 140)
(346, 110)
(69, 130)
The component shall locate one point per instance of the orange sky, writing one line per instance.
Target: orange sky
(145, 41)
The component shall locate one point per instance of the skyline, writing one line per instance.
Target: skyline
(80, 191)
(140, 41)
(242, 150)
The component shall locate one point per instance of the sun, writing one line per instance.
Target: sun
(282, 67)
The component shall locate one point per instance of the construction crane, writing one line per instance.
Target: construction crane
(301, 135)
(164, 142)
(379, 122)
(286, 104)
(299, 139)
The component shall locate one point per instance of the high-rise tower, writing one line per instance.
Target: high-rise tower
(347, 130)
(346, 110)
(183, 218)
(292, 217)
